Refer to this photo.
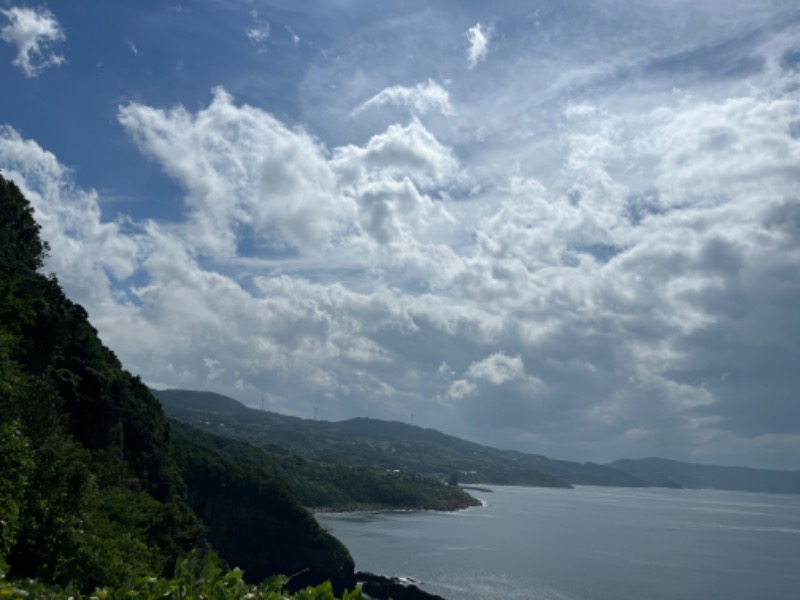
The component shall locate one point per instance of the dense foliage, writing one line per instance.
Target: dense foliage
(90, 492)
(330, 486)
(195, 577)
(256, 522)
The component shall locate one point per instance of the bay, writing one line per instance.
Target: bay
(589, 543)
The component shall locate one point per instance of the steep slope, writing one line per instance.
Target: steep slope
(672, 473)
(90, 491)
(257, 523)
(382, 444)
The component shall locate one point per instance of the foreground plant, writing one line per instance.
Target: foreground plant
(196, 577)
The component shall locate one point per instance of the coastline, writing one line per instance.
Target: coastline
(385, 587)
(381, 587)
(475, 488)
(379, 508)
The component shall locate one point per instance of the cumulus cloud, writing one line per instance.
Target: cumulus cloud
(401, 151)
(242, 168)
(88, 253)
(498, 369)
(619, 320)
(620, 272)
(478, 39)
(33, 31)
(462, 388)
(420, 99)
(659, 310)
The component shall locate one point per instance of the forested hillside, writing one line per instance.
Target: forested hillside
(90, 491)
(382, 444)
(330, 486)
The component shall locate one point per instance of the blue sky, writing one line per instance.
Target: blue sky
(570, 228)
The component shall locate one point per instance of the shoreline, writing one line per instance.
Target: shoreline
(475, 488)
(371, 509)
(377, 509)
(382, 587)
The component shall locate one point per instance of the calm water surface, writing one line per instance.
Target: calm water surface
(589, 544)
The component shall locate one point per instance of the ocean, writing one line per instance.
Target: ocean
(589, 543)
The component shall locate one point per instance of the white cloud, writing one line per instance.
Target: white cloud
(614, 256)
(33, 31)
(132, 47)
(259, 32)
(420, 99)
(295, 38)
(462, 388)
(243, 169)
(401, 151)
(714, 151)
(499, 368)
(629, 310)
(478, 38)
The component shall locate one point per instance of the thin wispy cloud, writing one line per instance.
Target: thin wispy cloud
(295, 37)
(132, 47)
(478, 40)
(259, 31)
(33, 31)
(420, 99)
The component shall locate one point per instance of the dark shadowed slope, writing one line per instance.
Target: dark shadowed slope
(255, 521)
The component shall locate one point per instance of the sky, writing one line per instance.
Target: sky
(566, 227)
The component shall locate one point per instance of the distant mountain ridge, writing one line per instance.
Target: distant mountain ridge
(395, 445)
(383, 444)
(661, 472)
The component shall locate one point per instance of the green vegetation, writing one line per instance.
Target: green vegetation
(382, 445)
(90, 491)
(330, 486)
(256, 522)
(195, 577)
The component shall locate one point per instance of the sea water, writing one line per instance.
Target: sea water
(589, 543)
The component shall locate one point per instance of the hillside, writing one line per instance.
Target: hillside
(382, 444)
(90, 488)
(670, 473)
(326, 486)
(256, 522)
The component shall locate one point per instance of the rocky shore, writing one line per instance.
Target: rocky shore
(383, 588)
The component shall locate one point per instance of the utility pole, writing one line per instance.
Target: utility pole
(316, 408)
